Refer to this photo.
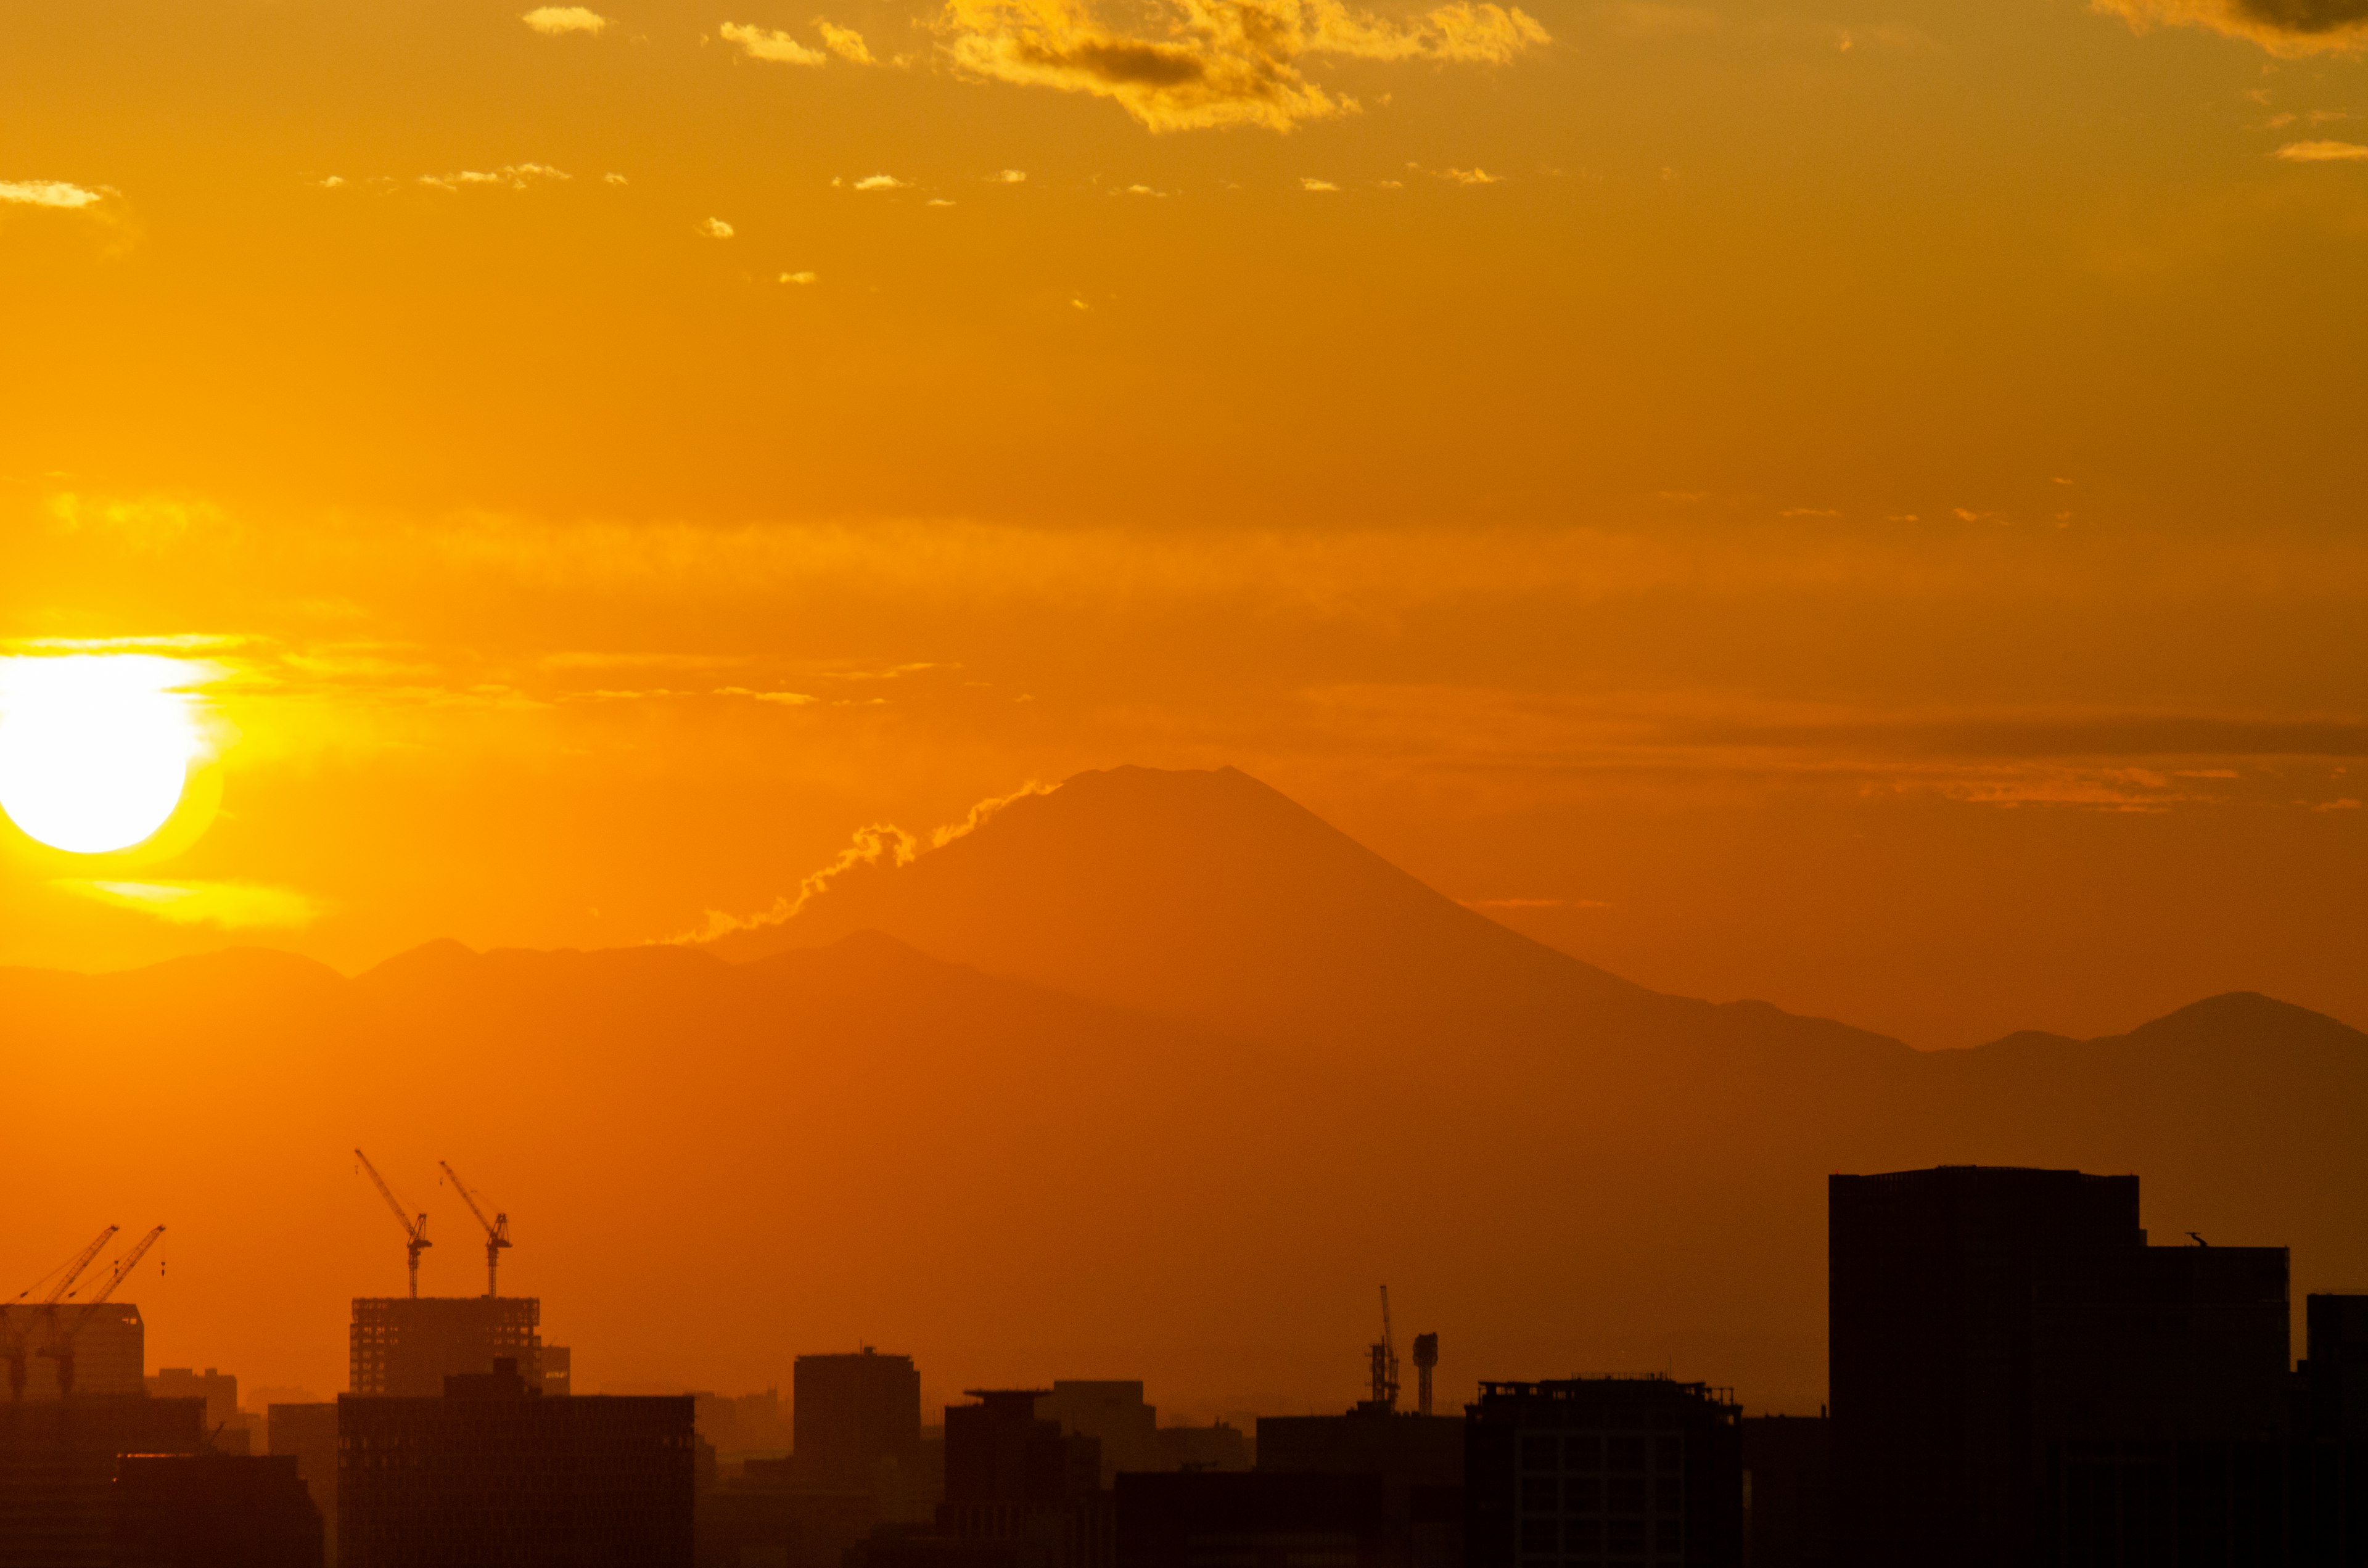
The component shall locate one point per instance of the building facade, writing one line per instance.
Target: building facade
(407, 1346)
(492, 1473)
(214, 1511)
(852, 1414)
(1603, 1471)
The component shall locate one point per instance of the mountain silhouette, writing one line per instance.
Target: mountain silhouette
(1218, 1072)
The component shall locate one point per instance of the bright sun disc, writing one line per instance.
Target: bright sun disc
(93, 748)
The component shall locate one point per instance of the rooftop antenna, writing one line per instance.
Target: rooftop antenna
(415, 1231)
(1385, 1356)
(1426, 1357)
(498, 1229)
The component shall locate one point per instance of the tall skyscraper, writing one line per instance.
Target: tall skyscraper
(850, 1412)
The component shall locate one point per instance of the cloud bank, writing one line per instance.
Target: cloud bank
(767, 43)
(52, 193)
(2281, 27)
(1217, 62)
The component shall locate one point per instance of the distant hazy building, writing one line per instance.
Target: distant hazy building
(1635, 1469)
(58, 1461)
(1112, 1412)
(1788, 1485)
(851, 1413)
(493, 1472)
(558, 1369)
(214, 1511)
(406, 1346)
(308, 1434)
(761, 1516)
(1252, 1519)
(110, 1346)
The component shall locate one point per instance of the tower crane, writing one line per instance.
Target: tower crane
(414, 1230)
(498, 1229)
(62, 1342)
(18, 1336)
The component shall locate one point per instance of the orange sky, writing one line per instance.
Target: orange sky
(1858, 507)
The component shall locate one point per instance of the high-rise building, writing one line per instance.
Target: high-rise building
(1417, 1458)
(1929, 1324)
(1594, 1470)
(849, 1414)
(408, 1345)
(1014, 1477)
(494, 1474)
(2018, 1377)
(1788, 1487)
(214, 1511)
(106, 1340)
(558, 1369)
(308, 1434)
(58, 1459)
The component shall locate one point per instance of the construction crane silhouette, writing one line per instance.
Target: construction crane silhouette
(1385, 1356)
(60, 1347)
(498, 1229)
(415, 1231)
(20, 1336)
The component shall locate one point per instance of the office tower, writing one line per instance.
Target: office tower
(58, 1461)
(1603, 1470)
(2329, 1470)
(1258, 1519)
(851, 1413)
(408, 1345)
(1788, 1485)
(558, 1369)
(1114, 1414)
(492, 1473)
(2018, 1377)
(1419, 1458)
(229, 1429)
(214, 1511)
(308, 1434)
(107, 1341)
(1931, 1281)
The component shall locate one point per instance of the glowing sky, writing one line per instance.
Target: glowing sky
(1857, 504)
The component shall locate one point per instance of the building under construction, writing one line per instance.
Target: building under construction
(409, 1345)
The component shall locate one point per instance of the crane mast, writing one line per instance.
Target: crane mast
(498, 1229)
(66, 1274)
(1384, 1358)
(61, 1345)
(414, 1230)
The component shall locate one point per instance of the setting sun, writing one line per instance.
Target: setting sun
(93, 748)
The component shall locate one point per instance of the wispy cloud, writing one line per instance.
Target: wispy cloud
(880, 182)
(2322, 152)
(798, 278)
(844, 42)
(51, 193)
(1308, 182)
(2281, 27)
(1008, 176)
(510, 177)
(555, 21)
(765, 43)
(716, 229)
(230, 906)
(1194, 64)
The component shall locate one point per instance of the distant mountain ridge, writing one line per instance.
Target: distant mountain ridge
(1158, 1079)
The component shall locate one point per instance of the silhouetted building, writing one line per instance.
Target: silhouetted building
(761, 1516)
(852, 1414)
(1639, 1470)
(2329, 1473)
(1112, 1412)
(742, 1425)
(1932, 1275)
(229, 1429)
(407, 1346)
(214, 1511)
(1788, 1484)
(58, 1459)
(107, 1342)
(2018, 1378)
(558, 1369)
(1252, 1519)
(308, 1434)
(1219, 1445)
(493, 1472)
(1419, 1458)
(1015, 1478)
